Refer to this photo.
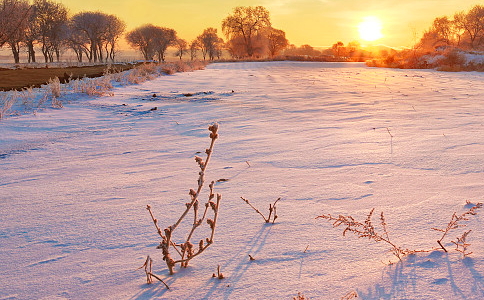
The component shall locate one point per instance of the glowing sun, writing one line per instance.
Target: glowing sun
(370, 29)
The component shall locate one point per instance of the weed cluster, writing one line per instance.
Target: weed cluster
(368, 229)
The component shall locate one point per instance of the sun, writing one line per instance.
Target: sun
(370, 29)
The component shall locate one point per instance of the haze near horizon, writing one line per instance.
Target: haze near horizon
(318, 23)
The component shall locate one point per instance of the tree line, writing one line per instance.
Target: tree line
(47, 24)
(465, 30)
(94, 36)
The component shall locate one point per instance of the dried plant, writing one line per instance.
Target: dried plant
(147, 266)
(57, 103)
(461, 245)
(300, 296)
(350, 295)
(54, 87)
(149, 274)
(6, 103)
(186, 250)
(219, 274)
(27, 97)
(272, 210)
(368, 230)
(455, 222)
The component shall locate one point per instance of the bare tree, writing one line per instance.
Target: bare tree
(236, 47)
(181, 46)
(441, 33)
(114, 30)
(78, 42)
(49, 27)
(101, 30)
(31, 35)
(246, 22)
(143, 39)
(194, 47)
(14, 17)
(164, 37)
(339, 49)
(472, 24)
(276, 41)
(210, 43)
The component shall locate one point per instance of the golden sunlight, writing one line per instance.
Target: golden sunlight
(370, 29)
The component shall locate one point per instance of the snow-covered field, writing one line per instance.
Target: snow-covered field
(327, 138)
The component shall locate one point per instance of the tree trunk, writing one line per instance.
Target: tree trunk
(15, 51)
(31, 51)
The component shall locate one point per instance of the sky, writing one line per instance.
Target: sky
(319, 23)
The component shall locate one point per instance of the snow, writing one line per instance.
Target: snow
(328, 138)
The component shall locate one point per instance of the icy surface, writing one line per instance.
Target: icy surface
(325, 137)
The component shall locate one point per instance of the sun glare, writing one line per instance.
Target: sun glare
(370, 29)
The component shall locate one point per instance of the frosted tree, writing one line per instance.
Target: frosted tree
(14, 17)
(210, 43)
(164, 38)
(151, 40)
(194, 47)
(100, 30)
(114, 31)
(246, 23)
(276, 41)
(143, 39)
(472, 23)
(181, 46)
(49, 27)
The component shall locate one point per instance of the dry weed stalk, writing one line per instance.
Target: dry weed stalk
(368, 230)
(350, 295)
(54, 87)
(149, 275)
(391, 140)
(272, 210)
(6, 102)
(27, 96)
(461, 245)
(300, 296)
(147, 266)
(454, 224)
(186, 250)
(219, 274)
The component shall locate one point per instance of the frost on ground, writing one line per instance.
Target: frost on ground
(327, 138)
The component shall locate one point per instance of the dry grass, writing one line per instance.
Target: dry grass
(7, 100)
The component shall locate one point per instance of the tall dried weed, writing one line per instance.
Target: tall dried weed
(7, 100)
(185, 251)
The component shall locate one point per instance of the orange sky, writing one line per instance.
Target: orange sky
(314, 22)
